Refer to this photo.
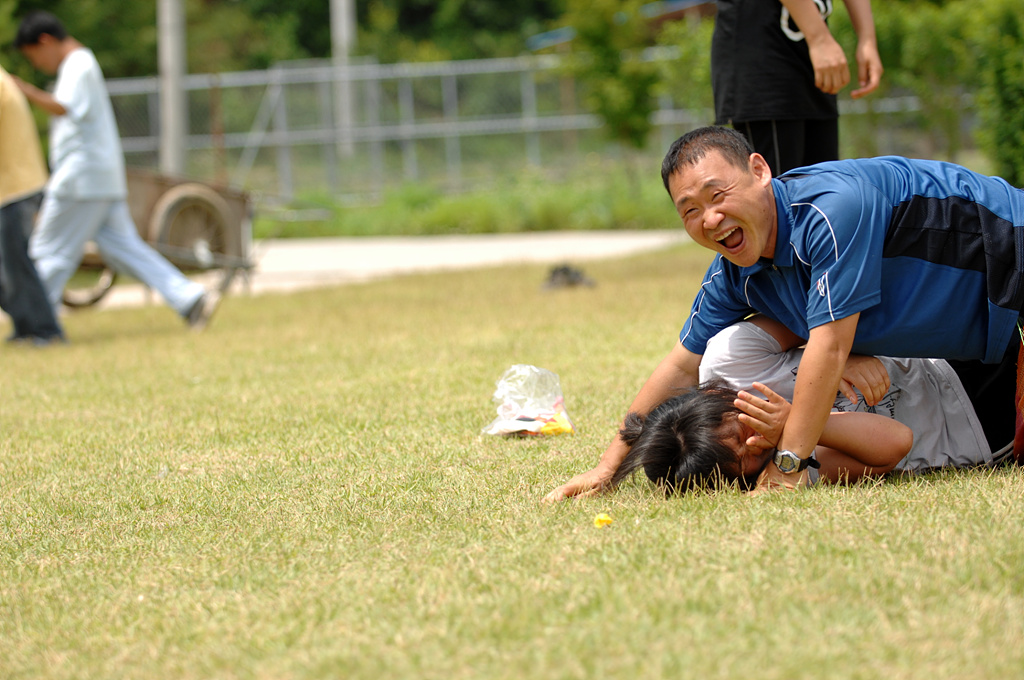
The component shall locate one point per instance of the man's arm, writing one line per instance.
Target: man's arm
(817, 381)
(852, 445)
(41, 98)
(677, 371)
(869, 63)
(831, 70)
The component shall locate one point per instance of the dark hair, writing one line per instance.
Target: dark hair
(696, 144)
(36, 23)
(679, 443)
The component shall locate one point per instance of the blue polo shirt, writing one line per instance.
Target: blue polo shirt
(930, 254)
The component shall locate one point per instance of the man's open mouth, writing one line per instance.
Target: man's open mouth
(732, 238)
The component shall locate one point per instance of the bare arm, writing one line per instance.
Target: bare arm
(857, 444)
(677, 371)
(40, 98)
(865, 373)
(869, 62)
(831, 70)
(817, 381)
(852, 444)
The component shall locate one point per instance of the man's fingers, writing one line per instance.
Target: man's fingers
(555, 496)
(846, 387)
(773, 396)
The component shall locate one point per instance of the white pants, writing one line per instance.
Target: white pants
(66, 224)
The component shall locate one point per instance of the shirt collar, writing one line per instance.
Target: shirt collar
(784, 227)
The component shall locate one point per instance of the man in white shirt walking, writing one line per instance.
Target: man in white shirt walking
(86, 198)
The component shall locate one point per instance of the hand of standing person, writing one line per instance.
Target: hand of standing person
(869, 63)
(831, 69)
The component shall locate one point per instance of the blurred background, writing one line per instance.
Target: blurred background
(425, 99)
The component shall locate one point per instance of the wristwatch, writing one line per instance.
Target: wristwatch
(789, 462)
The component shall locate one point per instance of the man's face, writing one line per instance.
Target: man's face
(45, 55)
(727, 209)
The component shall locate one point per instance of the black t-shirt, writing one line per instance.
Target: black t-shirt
(760, 65)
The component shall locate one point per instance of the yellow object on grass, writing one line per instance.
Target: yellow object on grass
(602, 520)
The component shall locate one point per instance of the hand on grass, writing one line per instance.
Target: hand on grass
(774, 479)
(589, 483)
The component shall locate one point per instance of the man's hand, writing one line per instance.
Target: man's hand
(831, 70)
(766, 416)
(869, 69)
(589, 483)
(774, 479)
(867, 374)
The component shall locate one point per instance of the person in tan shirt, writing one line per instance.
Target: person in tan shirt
(23, 176)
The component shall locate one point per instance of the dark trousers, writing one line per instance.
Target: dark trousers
(992, 389)
(788, 144)
(21, 293)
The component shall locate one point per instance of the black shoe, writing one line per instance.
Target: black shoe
(202, 311)
(37, 340)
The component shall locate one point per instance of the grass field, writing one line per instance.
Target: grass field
(302, 492)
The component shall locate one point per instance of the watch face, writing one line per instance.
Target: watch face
(786, 461)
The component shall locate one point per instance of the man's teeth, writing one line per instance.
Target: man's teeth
(726, 234)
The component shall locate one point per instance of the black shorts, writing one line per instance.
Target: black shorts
(788, 144)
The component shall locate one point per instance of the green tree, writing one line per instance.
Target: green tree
(687, 77)
(999, 39)
(607, 59)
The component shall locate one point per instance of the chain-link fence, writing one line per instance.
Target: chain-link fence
(310, 128)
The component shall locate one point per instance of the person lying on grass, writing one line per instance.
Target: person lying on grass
(724, 432)
(713, 435)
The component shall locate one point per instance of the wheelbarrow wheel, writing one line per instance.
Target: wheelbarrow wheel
(192, 217)
(88, 287)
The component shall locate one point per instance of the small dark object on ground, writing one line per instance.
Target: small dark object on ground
(564, 276)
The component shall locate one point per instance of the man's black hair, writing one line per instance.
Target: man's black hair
(35, 24)
(679, 443)
(696, 144)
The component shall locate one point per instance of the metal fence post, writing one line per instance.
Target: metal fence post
(329, 151)
(373, 97)
(284, 150)
(452, 148)
(528, 89)
(408, 117)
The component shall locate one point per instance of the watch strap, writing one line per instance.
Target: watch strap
(810, 461)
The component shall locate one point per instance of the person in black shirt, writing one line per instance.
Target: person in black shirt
(776, 69)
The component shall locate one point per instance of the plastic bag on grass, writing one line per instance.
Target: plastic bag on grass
(530, 403)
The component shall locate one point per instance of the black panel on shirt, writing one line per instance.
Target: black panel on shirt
(957, 232)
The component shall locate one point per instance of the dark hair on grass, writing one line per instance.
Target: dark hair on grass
(696, 144)
(35, 24)
(679, 443)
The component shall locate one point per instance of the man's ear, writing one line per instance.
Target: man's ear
(760, 168)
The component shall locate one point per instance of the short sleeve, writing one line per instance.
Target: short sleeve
(842, 242)
(73, 91)
(718, 305)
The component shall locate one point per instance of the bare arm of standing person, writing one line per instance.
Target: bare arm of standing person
(869, 63)
(677, 371)
(817, 380)
(831, 70)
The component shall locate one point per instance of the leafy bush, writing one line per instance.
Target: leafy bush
(999, 37)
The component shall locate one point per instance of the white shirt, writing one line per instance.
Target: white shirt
(85, 147)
